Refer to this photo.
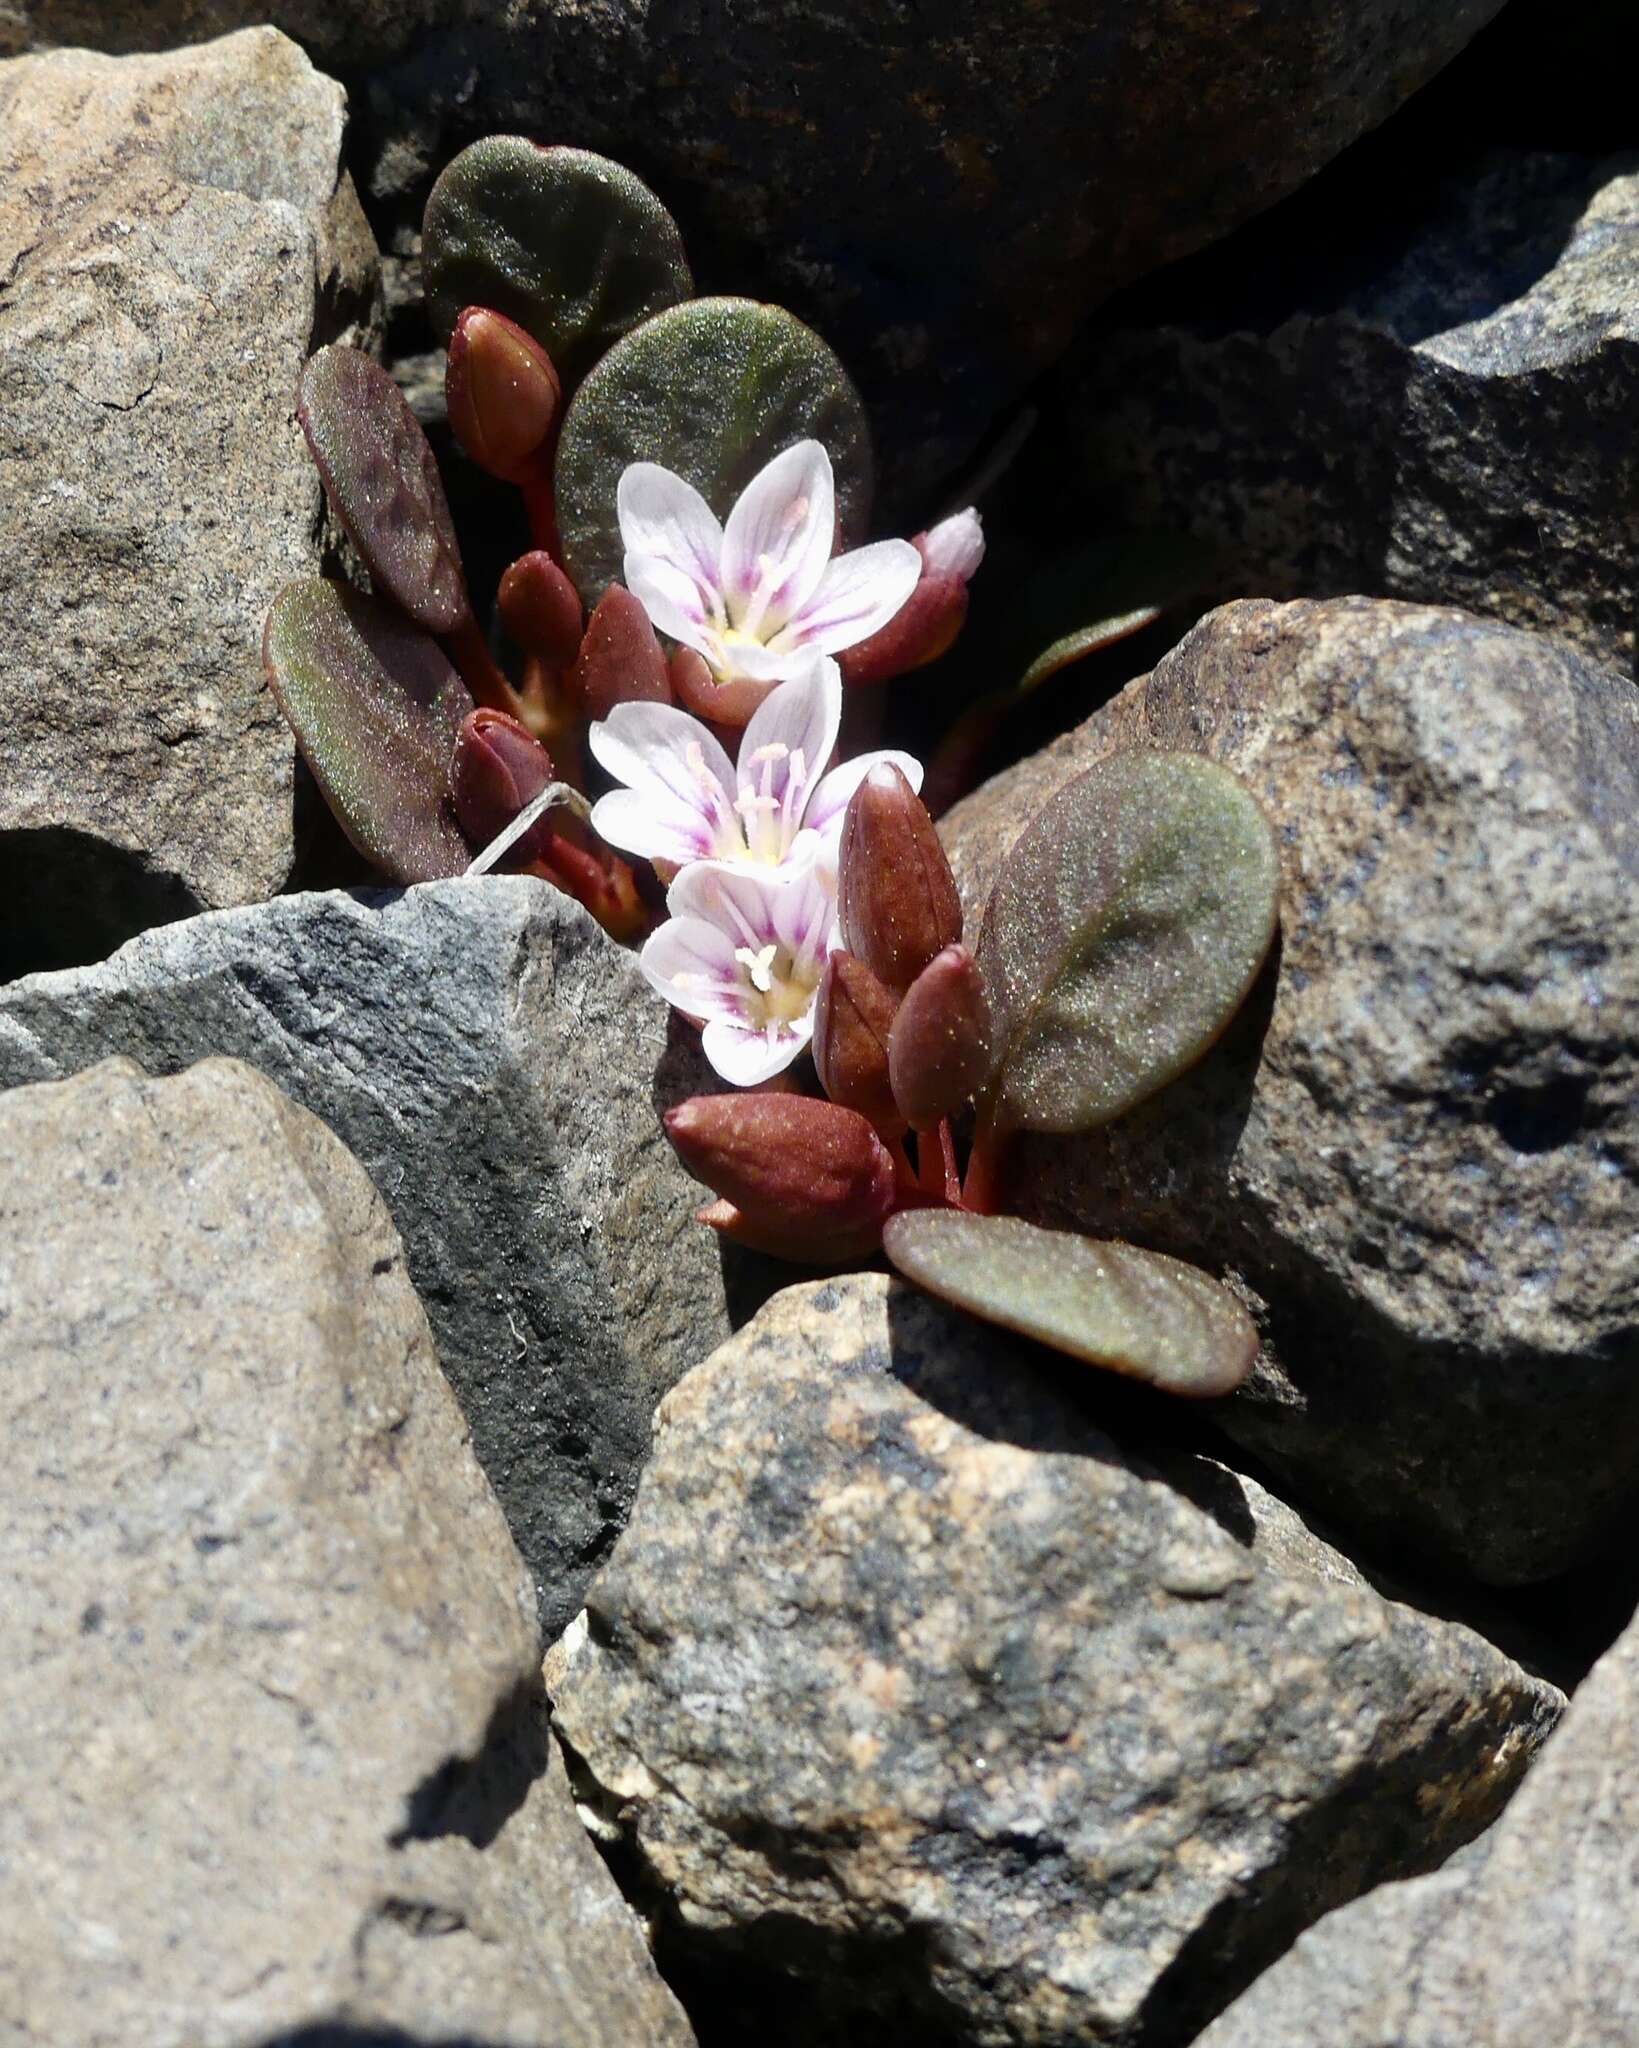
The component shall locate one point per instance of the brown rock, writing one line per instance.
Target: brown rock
(924, 1711)
(1415, 1150)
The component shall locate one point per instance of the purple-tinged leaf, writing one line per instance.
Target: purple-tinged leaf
(1123, 933)
(376, 709)
(1138, 1313)
(382, 480)
(571, 246)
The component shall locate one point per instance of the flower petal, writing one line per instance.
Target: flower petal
(663, 516)
(744, 1055)
(856, 594)
(676, 604)
(779, 538)
(784, 749)
(742, 901)
(828, 803)
(956, 546)
(653, 830)
(672, 762)
(691, 963)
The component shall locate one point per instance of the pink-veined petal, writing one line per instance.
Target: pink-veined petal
(744, 1056)
(674, 602)
(670, 760)
(742, 901)
(691, 963)
(663, 516)
(778, 539)
(654, 829)
(828, 803)
(857, 594)
(784, 749)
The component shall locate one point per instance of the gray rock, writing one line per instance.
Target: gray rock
(176, 233)
(271, 1698)
(926, 1712)
(1443, 418)
(1416, 1151)
(1527, 1937)
(491, 1058)
(943, 191)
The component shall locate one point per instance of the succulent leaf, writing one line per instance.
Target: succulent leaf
(376, 709)
(1137, 1312)
(571, 246)
(712, 390)
(382, 480)
(1124, 931)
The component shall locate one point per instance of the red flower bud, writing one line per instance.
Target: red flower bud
(620, 661)
(541, 609)
(800, 1178)
(939, 1052)
(919, 632)
(503, 396)
(497, 769)
(897, 895)
(853, 1014)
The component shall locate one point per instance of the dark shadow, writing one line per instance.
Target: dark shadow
(476, 1796)
(67, 899)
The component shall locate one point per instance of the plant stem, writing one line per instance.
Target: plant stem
(981, 1192)
(469, 651)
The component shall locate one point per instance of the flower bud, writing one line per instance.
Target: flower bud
(498, 768)
(620, 661)
(927, 624)
(897, 896)
(800, 1178)
(541, 609)
(503, 396)
(853, 1014)
(939, 1052)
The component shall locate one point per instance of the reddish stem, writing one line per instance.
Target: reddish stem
(469, 651)
(953, 1180)
(981, 1192)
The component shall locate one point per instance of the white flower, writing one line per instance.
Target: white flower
(753, 595)
(956, 546)
(683, 802)
(744, 952)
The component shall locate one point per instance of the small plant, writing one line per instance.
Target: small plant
(699, 593)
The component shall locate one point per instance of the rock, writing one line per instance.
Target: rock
(491, 1058)
(176, 233)
(1527, 1937)
(923, 1711)
(943, 192)
(1416, 1150)
(1439, 411)
(271, 1699)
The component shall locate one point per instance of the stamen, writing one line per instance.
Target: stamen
(759, 965)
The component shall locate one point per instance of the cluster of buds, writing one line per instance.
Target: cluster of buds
(902, 1041)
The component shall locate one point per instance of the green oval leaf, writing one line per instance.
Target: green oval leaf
(382, 479)
(1085, 640)
(713, 390)
(375, 708)
(1125, 928)
(568, 244)
(1137, 1312)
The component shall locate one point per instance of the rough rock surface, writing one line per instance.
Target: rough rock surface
(1438, 411)
(1527, 1937)
(924, 1712)
(943, 191)
(175, 234)
(490, 1057)
(1417, 1149)
(275, 1756)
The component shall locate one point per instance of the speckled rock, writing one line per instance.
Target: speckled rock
(943, 191)
(271, 1700)
(921, 1711)
(1435, 411)
(1416, 1151)
(176, 233)
(492, 1060)
(1527, 1937)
